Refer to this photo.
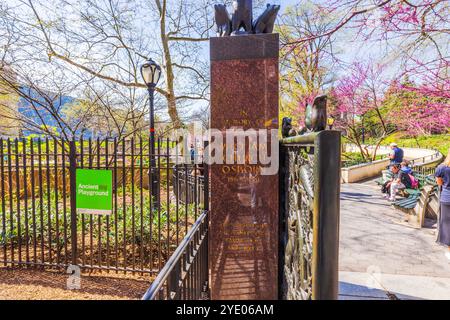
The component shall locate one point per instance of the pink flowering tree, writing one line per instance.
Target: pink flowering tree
(423, 105)
(416, 33)
(414, 20)
(357, 98)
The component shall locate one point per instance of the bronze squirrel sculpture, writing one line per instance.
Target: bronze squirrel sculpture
(315, 118)
(316, 114)
(242, 18)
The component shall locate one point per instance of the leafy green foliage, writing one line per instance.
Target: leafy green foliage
(135, 224)
(439, 142)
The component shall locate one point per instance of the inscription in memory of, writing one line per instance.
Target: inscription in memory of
(244, 238)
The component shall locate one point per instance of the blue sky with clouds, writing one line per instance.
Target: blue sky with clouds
(352, 50)
(349, 51)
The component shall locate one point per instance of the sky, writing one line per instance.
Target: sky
(358, 50)
(348, 51)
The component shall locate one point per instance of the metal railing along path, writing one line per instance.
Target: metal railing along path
(185, 275)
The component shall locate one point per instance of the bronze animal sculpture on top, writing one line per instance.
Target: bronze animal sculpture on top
(266, 21)
(223, 20)
(316, 114)
(242, 18)
(286, 128)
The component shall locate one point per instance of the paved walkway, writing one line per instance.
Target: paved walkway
(381, 257)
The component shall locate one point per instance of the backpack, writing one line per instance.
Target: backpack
(406, 180)
(414, 181)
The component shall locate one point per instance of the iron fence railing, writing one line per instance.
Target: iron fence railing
(39, 225)
(188, 182)
(423, 170)
(421, 164)
(309, 216)
(185, 275)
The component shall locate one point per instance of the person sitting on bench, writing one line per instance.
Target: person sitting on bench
(400, 181)
(404, 166)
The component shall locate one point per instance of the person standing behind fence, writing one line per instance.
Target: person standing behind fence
(396, 154)
(192, 152)
(443, 180)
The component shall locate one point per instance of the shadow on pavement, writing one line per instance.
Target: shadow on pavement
(350, 291)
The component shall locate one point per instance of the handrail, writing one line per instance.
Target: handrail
(174, 260)
(432, 156)
(309, 138)
(423, 160)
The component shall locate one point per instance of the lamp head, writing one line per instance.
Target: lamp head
(151, 73)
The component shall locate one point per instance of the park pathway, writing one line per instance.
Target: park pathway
(381, 256)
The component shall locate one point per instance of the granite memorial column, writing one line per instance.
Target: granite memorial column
(244, 202)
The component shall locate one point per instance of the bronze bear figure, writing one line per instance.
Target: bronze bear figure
(223, 20)
(242, 17)
(266, 22)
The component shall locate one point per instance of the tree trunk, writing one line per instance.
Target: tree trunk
(168, 67)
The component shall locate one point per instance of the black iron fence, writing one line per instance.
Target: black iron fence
(188, 181)
(426, 165)
(39, 223)
(185, 275)
(309, 216)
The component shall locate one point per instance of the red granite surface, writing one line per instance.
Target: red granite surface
(244, 204)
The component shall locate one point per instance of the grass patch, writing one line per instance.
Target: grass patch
(439, 142)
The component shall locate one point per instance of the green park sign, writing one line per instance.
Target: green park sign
(94, 191)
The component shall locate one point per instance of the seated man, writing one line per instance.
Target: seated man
(400, 181)
(388, 176)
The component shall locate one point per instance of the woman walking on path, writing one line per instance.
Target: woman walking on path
(443, 180)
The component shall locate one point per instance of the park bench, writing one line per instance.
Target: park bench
(386, 176)
(408, 203)
(411, 196)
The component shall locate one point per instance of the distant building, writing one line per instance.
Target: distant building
(26, 110)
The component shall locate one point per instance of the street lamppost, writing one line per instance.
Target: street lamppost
(151, 73)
